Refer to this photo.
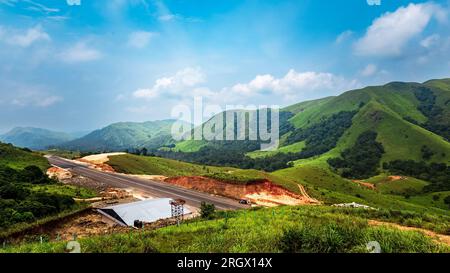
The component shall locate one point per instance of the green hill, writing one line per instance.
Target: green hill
(125, 135)
(27, 195)
(410, 121)
(35, 138)
(17, 158)
(406, 117)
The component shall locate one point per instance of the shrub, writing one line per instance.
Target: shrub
(207, 211)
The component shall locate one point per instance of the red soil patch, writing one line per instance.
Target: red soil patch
(99, 166)
(396, 178)
(58, 173)
(365, 184)
(263, 192)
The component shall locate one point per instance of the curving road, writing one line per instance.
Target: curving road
(151, 187)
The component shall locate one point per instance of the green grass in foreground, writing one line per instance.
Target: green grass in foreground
(284, 229)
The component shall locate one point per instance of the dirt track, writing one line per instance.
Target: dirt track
(445, 239)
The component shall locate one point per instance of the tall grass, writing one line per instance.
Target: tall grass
(284, 229)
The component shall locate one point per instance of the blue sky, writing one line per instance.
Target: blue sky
(76, 65)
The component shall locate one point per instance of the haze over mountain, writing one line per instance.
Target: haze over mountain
(125, 135)
(35, 138)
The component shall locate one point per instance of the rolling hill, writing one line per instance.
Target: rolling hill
(35, 138)
(27, 195)
(406, 116)
(125, 135)
(410, 121)
(17, 158)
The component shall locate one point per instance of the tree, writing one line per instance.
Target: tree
(447, 200)
(207, 211)
(362, 160)
(427, 153)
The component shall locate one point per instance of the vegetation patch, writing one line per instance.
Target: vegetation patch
(436, 173)
(19, 158)
(437, 122)
(362, 160)
(322, 136)
(19, 202)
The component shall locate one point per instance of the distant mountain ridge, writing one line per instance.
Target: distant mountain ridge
(125, 136)
(35, 138)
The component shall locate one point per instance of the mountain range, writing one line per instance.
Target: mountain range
(36, 138)
(405, 116)
(124, 136)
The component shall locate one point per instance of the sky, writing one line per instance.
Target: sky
(77, 65)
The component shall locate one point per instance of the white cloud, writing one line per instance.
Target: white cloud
(10, 3)
(23, 38)
(344, 36)
(35, 6)
(430, 41)
(37, 100)
(173, 17)
(74, 2)
(175, 85)
(29, 95)
(140, 39)
(369, 70)
(390, 33)
(294, 85)
(48, 101)
(185, 85)
(167, 17)
(80, 52)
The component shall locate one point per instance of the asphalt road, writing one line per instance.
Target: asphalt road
(151, 187)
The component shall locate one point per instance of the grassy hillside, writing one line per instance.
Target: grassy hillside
(189, 146)
(400, 139)
(34, 138)
(397, 112)
(17, 158)
(322, 183)
(285, 229)
(384, 111)
(27, 195)
(397, 96)
(125, 135)
(292, 148)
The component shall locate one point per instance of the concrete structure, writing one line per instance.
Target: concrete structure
(146, 211)
(352, 205)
